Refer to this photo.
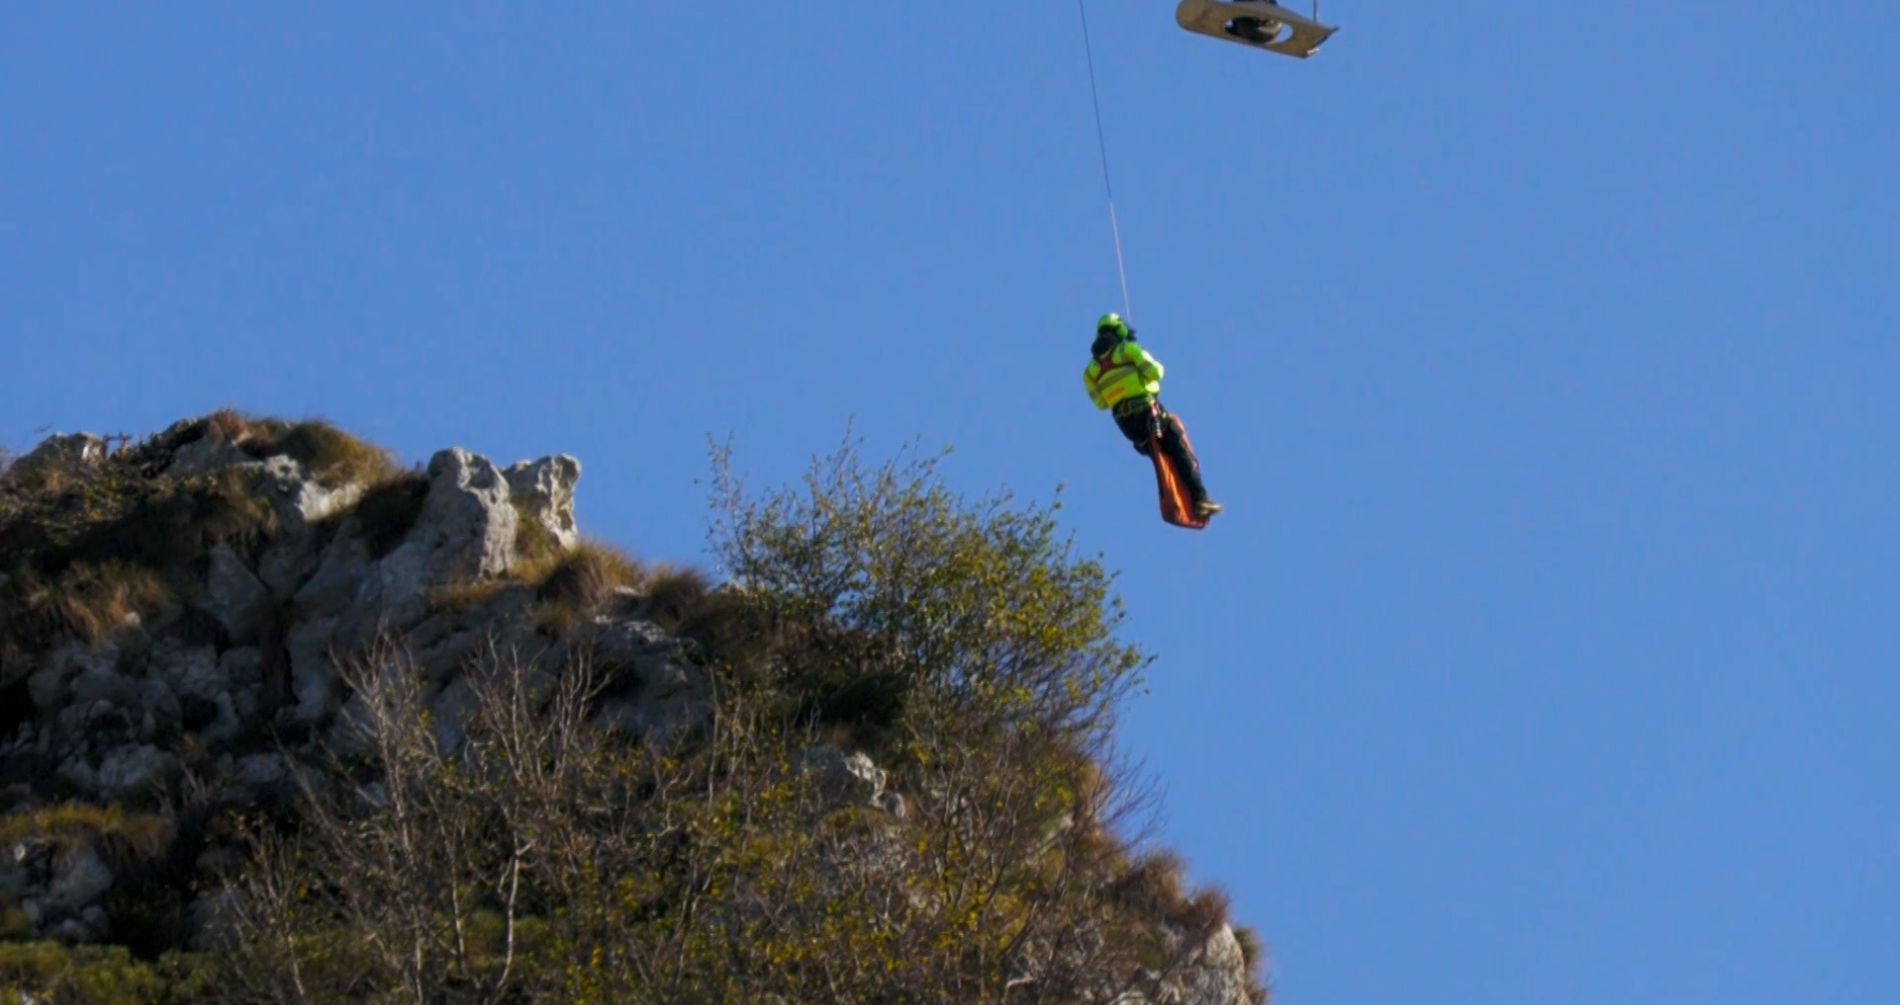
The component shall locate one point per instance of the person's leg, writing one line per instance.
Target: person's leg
(1137, 426)
(1174, 444)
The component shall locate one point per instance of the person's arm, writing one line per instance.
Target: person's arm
(1149, 367)
(1088, 381)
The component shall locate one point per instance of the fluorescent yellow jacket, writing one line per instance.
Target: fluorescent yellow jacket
(1123, 372)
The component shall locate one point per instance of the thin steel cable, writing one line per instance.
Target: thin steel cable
(1101, 141)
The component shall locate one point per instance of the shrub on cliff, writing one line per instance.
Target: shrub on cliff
(963, 643)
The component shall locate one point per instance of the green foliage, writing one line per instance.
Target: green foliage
(53, 974)
(14, 923)
(980, 604)
(961, 642)
(546, 861)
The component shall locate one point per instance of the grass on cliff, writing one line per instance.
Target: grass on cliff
(82, 561)
(588, 579)
(83, 551)
(332, 457)
(120, 513)
(87, 601)
(962, 643)
(116, 835)
(389, 509)
(328, 455)
(573, 585)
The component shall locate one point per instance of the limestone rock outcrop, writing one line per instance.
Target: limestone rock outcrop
(213, 695)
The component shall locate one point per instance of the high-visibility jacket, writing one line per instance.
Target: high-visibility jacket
(1125, 371)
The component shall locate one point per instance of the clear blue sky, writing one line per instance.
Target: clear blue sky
(1545, 355)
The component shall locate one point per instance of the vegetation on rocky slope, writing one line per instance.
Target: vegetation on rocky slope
(902, 789)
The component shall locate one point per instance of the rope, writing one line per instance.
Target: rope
(1101, 141)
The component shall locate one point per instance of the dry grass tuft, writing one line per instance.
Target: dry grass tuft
(1254, 952)
(672, 594)
(460, 598)
(535, 546)
(586, 577)
(1152, 885)
(227, 508)
(225, 426)
(168, 521)
(389, 509)
(41, 480)
(1203, 912)
(732, 626)
(115, 834)
(91, 601)
(331, 456)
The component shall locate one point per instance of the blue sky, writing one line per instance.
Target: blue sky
(1545, 356)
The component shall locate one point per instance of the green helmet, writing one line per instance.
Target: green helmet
(1113, 323)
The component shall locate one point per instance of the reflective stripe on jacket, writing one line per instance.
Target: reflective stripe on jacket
(1124, 371)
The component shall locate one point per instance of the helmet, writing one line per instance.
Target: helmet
(1113, 324)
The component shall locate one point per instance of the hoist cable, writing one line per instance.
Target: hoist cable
(1101, 141)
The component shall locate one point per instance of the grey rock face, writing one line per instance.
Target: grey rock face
(82, 879)
(57, 888)
(663, 689)
(75, 455)
(543, 490)
(467, 529)
(341, 578)
(313, 680)
(261, 771)
(50, 685)
(206, 454)
(849, 779)
(246, 700)
(235, 596)
(444, 644)
(451, 711)
(102, 683)
(1219, 976)
(136, 773)
(243, 671)
(299, 500)
(47, 688)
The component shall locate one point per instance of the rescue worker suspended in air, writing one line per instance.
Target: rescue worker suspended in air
(1125, 379)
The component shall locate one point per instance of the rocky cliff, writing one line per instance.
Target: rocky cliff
(178, 622)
